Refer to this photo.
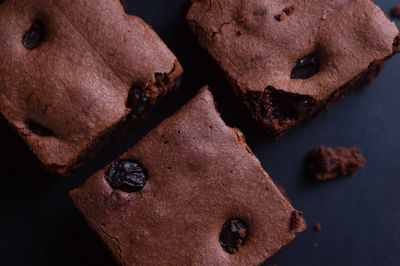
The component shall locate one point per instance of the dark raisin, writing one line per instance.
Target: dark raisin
(127, 175)
(40, 130)
(34, 36)
(137, 100)
(306, 67)
(233, 235)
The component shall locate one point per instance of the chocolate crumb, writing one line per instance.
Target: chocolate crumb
(285, 12)
(326, 163)
(317, 227)
(295, 219)
(289, 9)
(395, 11)
(280, 17)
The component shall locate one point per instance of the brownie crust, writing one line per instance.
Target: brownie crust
(72, 71)
(258, 44)
(201, 173)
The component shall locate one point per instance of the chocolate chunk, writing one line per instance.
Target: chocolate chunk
(40, 130)
(325, 163)
(306, 67)
(34, 36)
(137, 100)
(127, 175)
(233, 235)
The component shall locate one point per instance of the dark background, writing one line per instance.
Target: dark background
(360, 216)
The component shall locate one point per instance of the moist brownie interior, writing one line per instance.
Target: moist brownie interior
(191, 192)
(77, 74)
(291, 60)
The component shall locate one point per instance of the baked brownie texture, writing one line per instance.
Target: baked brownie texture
(73, 71)
(291, 60)
(326, 163)
(205, 200)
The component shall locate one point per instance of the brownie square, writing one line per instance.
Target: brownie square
(73, 73)
(191, 192)
(291, 60)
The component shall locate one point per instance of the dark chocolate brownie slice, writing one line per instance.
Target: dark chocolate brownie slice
(291, 60)
(325, 163)
(189, 193)
(73, 72)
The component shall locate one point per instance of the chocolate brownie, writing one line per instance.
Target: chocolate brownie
(325, 163)
(291, 60)
(74, 71)
(191, 192)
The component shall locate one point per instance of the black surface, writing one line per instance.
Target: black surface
(360, 216)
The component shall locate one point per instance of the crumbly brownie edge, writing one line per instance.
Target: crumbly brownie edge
(280, 111)
(170, 82)
(295, 109)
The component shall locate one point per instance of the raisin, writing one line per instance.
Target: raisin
(137, 100)
(40, 130)
(34, 36)
(233, 235)
(306, 67)
(127, 175)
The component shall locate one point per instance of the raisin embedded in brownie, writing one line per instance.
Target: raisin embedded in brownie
(73, 72)
(191, 192)
(291, 60)
(326, 163)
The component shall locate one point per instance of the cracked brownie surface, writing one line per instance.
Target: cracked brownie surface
(291, 59)
(206, 199)
(76, 70)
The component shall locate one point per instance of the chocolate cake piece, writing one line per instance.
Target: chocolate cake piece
(191, 192)
(291, 60)
(73, 72)
(326, 163)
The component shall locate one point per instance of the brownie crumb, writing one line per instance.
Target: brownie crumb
(326, 163)
(295, 219)
(317, 227)
(395, 11)
(315, 245)
(285, 12)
